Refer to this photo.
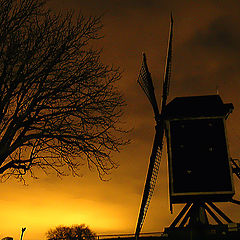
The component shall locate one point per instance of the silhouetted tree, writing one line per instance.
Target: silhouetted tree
(59, 106)
(76, 232)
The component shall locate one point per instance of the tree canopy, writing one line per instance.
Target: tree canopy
(75, 232)
(59, 104)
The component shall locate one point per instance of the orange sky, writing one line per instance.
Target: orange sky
(206, 56)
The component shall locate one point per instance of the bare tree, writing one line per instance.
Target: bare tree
(76, 232)
(59, 105)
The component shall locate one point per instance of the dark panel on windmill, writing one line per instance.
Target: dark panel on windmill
(201, 146)
(198, 152)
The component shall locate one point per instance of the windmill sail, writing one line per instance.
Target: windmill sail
(145, 82)
(167, 74)
(151, 179)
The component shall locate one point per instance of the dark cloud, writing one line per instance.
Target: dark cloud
(220, 35)
(209, 58)
(112, 7)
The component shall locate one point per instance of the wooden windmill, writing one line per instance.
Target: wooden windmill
(200, 167)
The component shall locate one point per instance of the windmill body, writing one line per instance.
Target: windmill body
(198, 156)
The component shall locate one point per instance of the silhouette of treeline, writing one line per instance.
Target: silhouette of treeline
(75, 232)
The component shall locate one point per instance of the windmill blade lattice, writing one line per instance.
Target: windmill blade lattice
(145, 81)
(153, 169)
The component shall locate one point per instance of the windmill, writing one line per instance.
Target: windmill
(200, 168)
(145, 81)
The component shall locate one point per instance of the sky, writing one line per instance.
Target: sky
(206, 58)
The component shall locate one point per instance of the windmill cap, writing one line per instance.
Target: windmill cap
(197, 106)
